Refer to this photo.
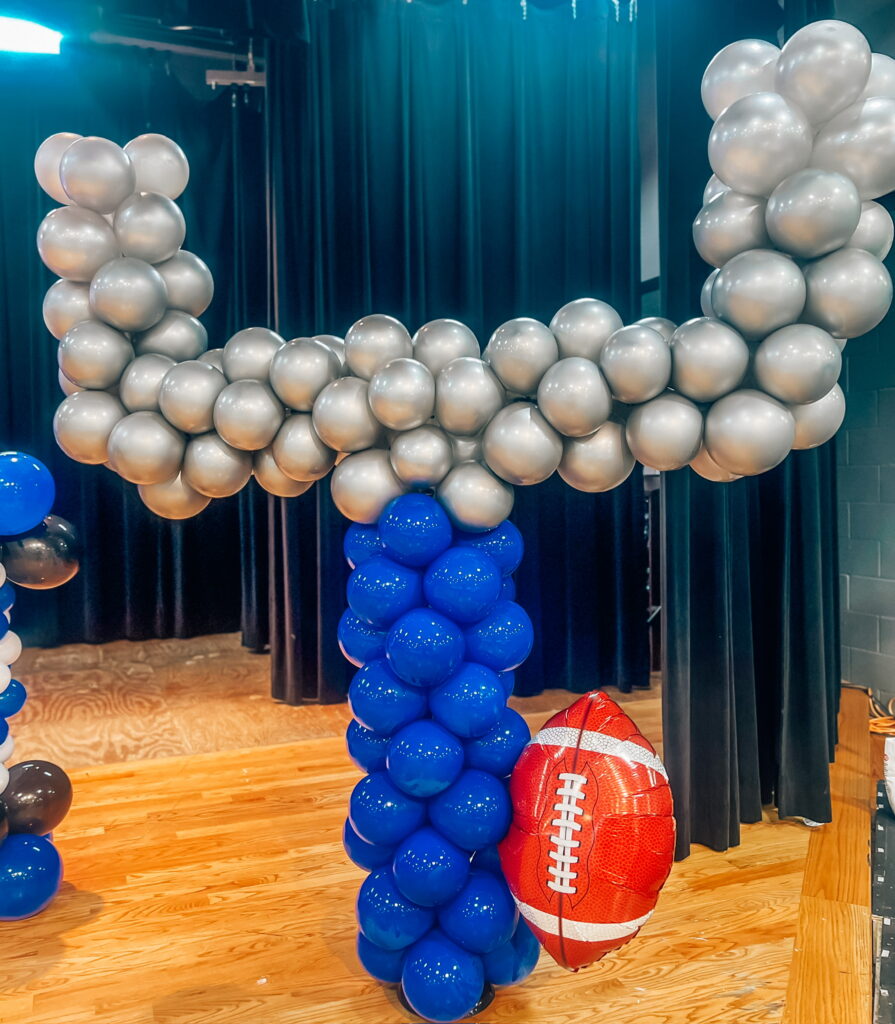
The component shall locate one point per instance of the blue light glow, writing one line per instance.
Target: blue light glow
(20, 36)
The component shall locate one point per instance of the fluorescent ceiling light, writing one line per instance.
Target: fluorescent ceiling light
(20, 36)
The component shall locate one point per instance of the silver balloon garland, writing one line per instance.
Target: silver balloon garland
(802, 144)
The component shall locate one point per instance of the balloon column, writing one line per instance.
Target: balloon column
(802, 144)
(37, 550)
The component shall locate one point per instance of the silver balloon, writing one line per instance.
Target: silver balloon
(299, 452)
(145, 449)
(300, 370)
(141, 382)
(849, 292)
(874, 231)
(214, 468)
(177, 335)
(598, 462)
(247, 415)
(83, 423)
(860, 143)
(249, 353)
(520, 352)
(705, 296)
(740, 69)
(92, 355)
(713, 187)
(797, 364)
(46, 164)
(402, 394)
(706, 467)
(422, 457)
(75, 243)
(520, 446)
(582, 327)
(273, 479)
(466, 449)
(881, 81)
(748, 432)
(636, 363)
(66, 304)
(823, 68)
(128, 294)
(332, 342)
(160, 165)
(664, 433)
(66, 386)
(189, 282)
(660, 324)
(373, 341)
(467, 395)
(436, 343)
(818, 421)
(96, 174)
(363, 484)
(173, 499)
(574, 397)
(757, 142)
(729, 224)
(149, 226)
(759, 291)
(474, 497)
(343, 418)
(188, 394)
(214, 357)
(709, 359)
(813, 212)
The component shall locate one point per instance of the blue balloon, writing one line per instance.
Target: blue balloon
(424, 648)
(7, 596)
(4, 627)
(415, 529)
(368, 856)
(508, 680)
(463, 584)
(381, 813)
(482, 916)
(4, 730)
(366, 748)
(424, 759)
(503, 639)
(383, 964)
(381, 702)
(514, 960)
(441, 981)
(487, 859)
(507, 589)
(504, 544)
(12, 699)
(380, 591)
(27, 492)
(473, 812)
(429, 869)
(470, 702)
(498, 750)
(361, 544)
(30, 875)
(358, 640)
(387, 918)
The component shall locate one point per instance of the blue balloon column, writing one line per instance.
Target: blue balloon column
(435, 634)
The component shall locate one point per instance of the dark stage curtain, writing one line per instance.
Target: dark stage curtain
(458, 160)
(141, 576)
(751, 595)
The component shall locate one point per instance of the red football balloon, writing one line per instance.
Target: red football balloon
(592, 838)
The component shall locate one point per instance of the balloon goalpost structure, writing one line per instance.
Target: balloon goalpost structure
(427, 436)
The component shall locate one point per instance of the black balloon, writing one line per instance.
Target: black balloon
(4, 823)
(44, 558)
(37, 798)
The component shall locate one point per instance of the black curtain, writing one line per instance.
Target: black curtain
(750, 569)
(141, 576)
(461, 160)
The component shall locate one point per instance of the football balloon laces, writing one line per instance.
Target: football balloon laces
(570, 794)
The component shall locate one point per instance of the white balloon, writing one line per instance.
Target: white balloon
(848, 292)
(729, 224)
(818, 421)
(813, 212)
(598, 462)
(882, 77)
(66, 304)
(859, 142)
(96, 174)
(299, 451)
(436, 343)
(705, 295)
(363, 484)
(474, 497)
(739, 69)
(582, 327)
(797, 364)
(666, 432)
(714, 187)
(706, 467)
(173, 499)
(520, 446)
(873, 233)
(520, 351)
(748, 432)
(273, 479)
(343, 418)
(46, 164)
(159, 163)
(373, 341)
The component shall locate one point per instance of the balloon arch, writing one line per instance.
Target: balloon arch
(427, 436)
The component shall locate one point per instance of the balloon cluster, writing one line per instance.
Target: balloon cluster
(436, 635)
(38, 551)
